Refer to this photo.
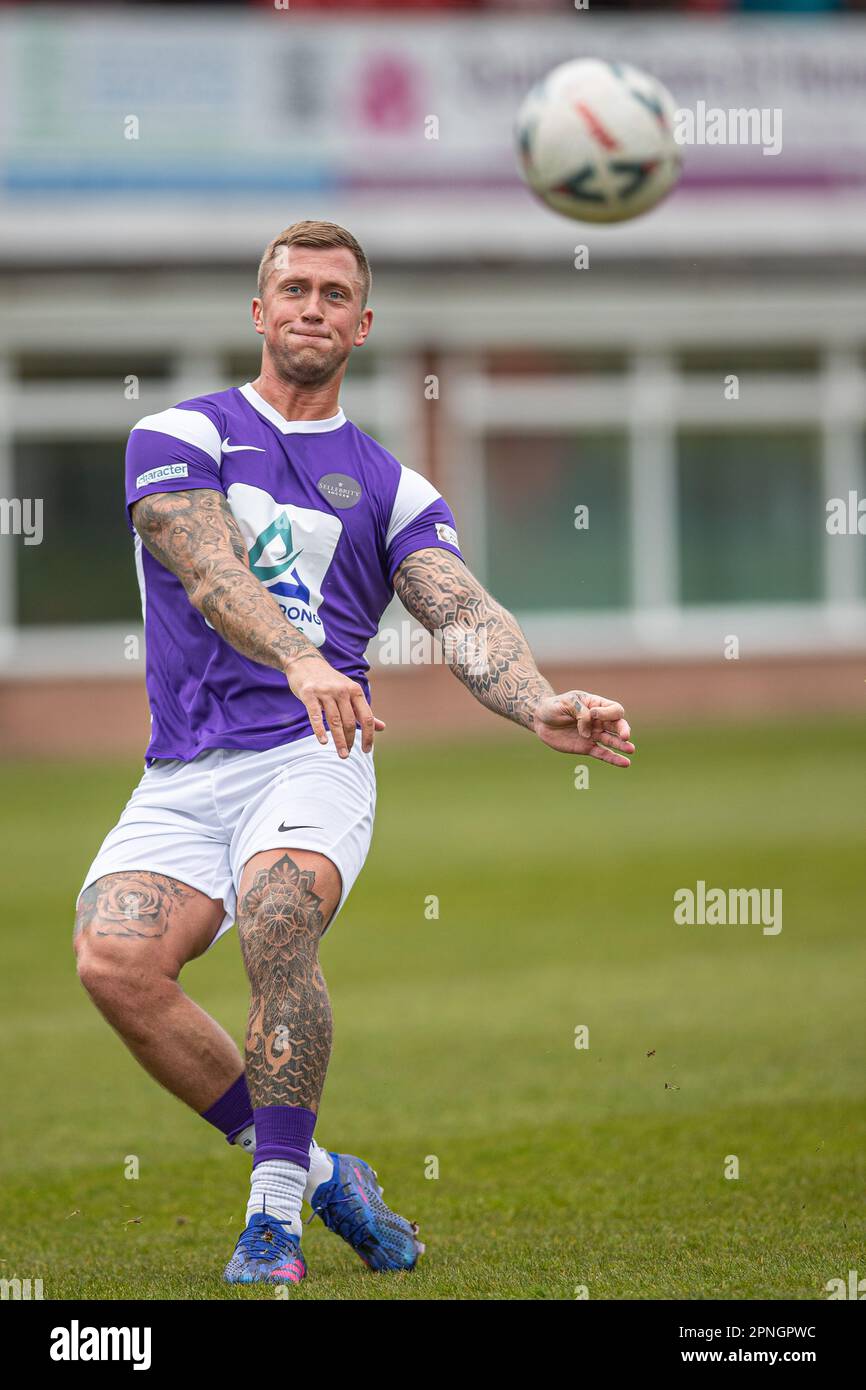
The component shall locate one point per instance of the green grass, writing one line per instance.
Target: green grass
(454, 1037)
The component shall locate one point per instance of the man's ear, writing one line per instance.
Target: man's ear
(258, 310)
(364, 323)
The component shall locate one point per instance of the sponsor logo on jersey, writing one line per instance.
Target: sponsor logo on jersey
(341, 491)
(446, 533)
(290, 549)
(158, 475)
(279, 530)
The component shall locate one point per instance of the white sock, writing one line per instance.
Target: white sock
(246, 1140)
(321, 1169)
(321, 1165)
(277, 1187)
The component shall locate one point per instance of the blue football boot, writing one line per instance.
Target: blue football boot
(350, 1203)
(266, 1253)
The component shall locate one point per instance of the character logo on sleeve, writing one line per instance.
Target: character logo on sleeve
(446, 533)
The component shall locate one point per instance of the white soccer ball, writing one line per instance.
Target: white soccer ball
(595, 141)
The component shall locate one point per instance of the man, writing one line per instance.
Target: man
(269, 536)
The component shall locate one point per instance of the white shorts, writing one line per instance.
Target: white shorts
(201, 821)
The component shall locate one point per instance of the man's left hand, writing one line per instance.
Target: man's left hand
(591, 725)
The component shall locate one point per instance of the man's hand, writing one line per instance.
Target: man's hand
(444, 596)
(196, 536)
(322, 689)
(591, 725)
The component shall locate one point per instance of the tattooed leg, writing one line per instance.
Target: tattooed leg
(286, 900)
(134, 932)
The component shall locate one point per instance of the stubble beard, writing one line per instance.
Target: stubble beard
(307, 366)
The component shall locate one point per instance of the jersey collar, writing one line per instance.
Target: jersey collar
(258, 403)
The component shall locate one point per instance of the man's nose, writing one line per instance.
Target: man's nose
(312, 309)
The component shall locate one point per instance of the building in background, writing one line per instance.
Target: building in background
(698, 387)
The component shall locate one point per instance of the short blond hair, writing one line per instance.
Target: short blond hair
(317, 234)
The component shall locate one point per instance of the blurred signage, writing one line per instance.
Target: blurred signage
(211, 103)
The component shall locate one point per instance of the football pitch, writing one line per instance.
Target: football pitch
(536, 1168)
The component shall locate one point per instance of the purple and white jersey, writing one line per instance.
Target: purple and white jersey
(327, 515)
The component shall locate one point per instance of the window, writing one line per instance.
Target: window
(536, 557)
(751, 516)
(542, 362)
(83, 572)
(111, 367)
(741, 360)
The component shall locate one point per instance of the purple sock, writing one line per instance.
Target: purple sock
(233, 1111)
(284, 1131)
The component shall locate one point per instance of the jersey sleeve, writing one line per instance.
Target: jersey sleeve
(420, 519)
(172, 451)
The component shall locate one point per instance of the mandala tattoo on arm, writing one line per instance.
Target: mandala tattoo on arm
(196, 535)
(484, 645)
(288, 1043)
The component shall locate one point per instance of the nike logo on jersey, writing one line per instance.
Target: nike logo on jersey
(282, 829)
(236, 448)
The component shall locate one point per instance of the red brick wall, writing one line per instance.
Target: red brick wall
(55, 719)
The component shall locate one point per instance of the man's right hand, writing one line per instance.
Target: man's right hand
(196, 536)
(324, 691)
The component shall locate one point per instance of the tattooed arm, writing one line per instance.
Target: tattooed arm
(491, 655)
(196, 536)
(486, 650)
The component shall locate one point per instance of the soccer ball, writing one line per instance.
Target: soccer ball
(595, 141)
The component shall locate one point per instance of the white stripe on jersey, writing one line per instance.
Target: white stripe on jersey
(190, 426)
(414, 494)
(139, 570)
